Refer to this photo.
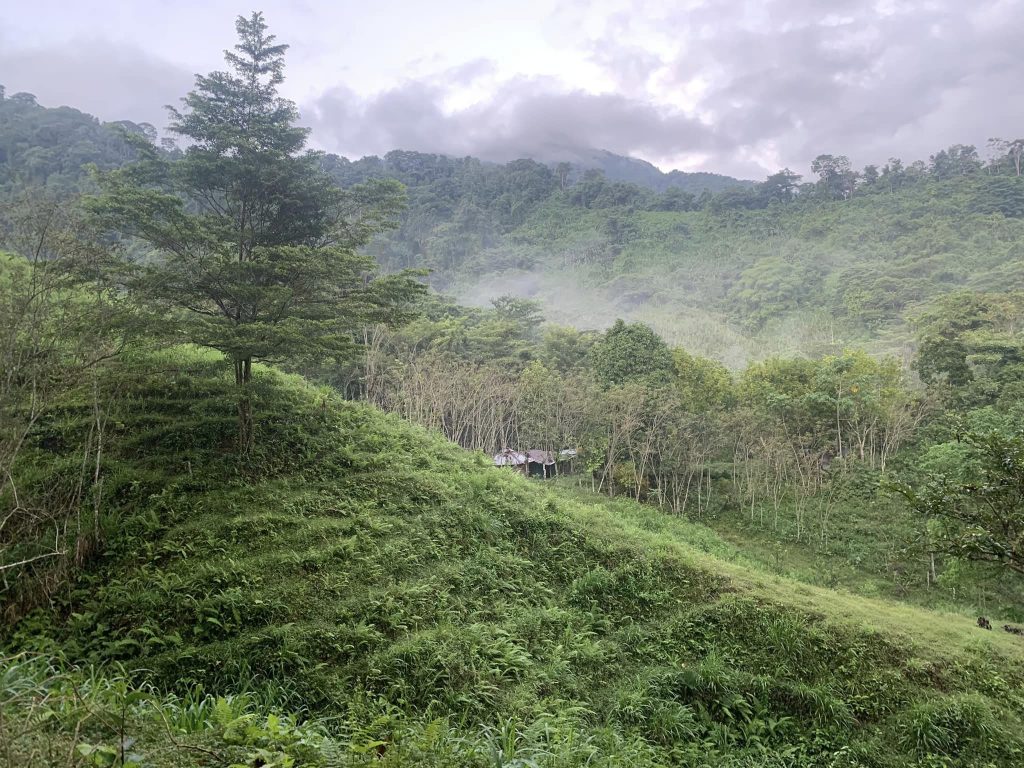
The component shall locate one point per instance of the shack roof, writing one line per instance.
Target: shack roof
(540, 457)
(513, 458)
(510, 458)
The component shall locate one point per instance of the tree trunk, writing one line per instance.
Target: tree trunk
(243, 375)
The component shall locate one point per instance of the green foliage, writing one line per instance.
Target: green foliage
(962, 724)
(350, 589)
(49, 147)
(59, 714)
(436, 610)
(58, 332)
(975, 496)
(971, 343)
(253, 245)
(737, 273)
(630, 353)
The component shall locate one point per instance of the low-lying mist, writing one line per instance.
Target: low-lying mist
(580, 300)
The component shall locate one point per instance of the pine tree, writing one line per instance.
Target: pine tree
(252, 246)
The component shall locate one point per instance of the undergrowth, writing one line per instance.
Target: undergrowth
(357, 590)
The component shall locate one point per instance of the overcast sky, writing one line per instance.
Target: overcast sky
(736, 86)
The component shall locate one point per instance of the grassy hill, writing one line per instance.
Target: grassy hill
(415, 606)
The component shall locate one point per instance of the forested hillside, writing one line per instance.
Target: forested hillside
(51, 146)
(783, 268)
(727, 269)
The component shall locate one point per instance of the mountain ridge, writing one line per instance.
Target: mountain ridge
(80, 125)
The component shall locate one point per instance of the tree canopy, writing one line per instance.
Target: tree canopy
(251, 245)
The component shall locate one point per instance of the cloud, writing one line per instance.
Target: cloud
(748, 89)
(522, 117)
(868, 79)
(743, 87)
(111, 81)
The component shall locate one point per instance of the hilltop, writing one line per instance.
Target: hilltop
(440, 611)
(633, 170)
(50, 145)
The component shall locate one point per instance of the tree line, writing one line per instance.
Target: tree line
(785, 442)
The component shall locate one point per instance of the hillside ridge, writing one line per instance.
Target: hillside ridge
(355, 555)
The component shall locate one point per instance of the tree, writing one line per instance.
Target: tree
(620, 230)
(1011, 153)
(781, 186)
(673, 199)
(957, 160)
(703, 385)
(525, 312)
(631, 352)
(566, 349)
(1015, 151)
(587, 190)
(967, 335)
(870, 176)
(562, 170)
(253, 244)
(836, 177)
(894, 175)
(977, 501)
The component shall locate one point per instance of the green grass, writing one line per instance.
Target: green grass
(867, 552)
(404, 598)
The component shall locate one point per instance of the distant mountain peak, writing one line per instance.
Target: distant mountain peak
(634, 170)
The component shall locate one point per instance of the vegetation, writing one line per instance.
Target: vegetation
(395, 581)
(49, 147)
(248, 510)
(736, 273)
(247, 235)
(792, 456)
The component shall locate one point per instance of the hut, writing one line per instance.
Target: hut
(540, 464)
(516, 460)
(533, 463)
(567, 461)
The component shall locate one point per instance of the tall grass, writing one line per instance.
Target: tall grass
(363, 592)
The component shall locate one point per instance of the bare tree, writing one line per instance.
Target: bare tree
(57, 328)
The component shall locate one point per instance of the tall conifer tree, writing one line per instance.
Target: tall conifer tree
(252, 246)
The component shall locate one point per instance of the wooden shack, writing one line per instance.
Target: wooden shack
(533, 463)
(516, 460)
(540, 464)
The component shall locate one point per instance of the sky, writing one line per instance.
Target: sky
(743, 87)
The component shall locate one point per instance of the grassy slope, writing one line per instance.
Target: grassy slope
(864, 554)
(381, 575)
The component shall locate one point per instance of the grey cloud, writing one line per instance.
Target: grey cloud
(523, 117)
(789, 78)
(113, 82)
(827, 77)
(630, 65)
(866, 78)
(468, 73)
